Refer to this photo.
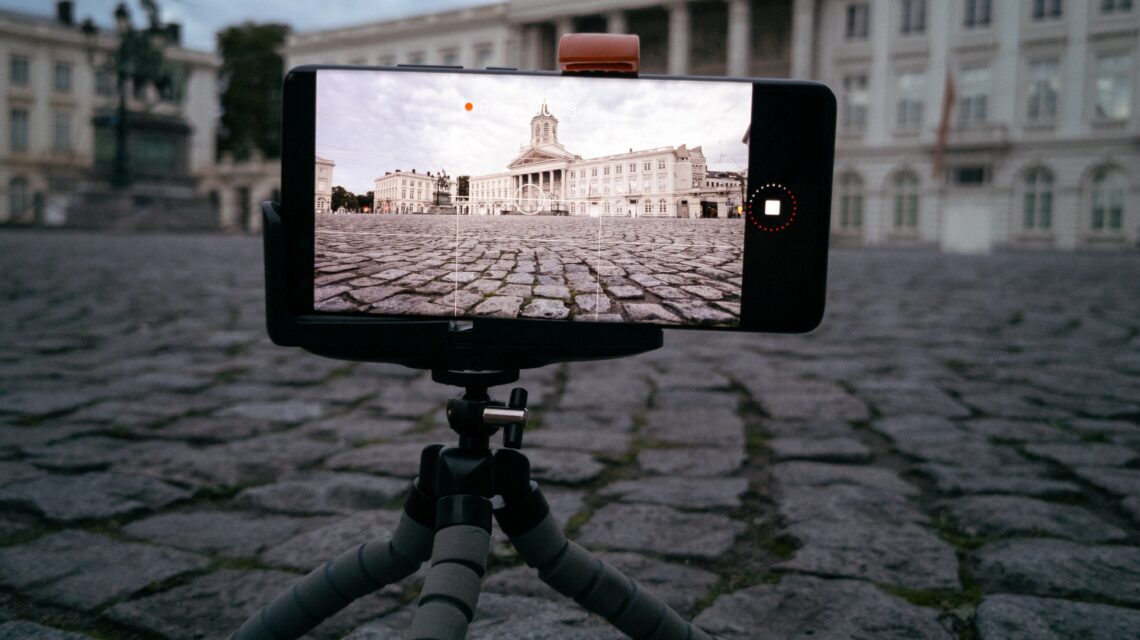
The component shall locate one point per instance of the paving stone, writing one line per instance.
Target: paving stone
(274, 411)
(557, 465)
(600, 441)
(807, 607)
(661, 530)
(88, 570)
(821, 449)
(357, 427)
(1048, 567)
(1084, 454)
(245, 462)
(1012, 617)
(548, 309)
(649, 312)
(324, 492)
(90, 496)
(1018, 430)
(808, 428)
(806, 399)
(215, 605)
(228, 533)
(499, 306)
(716, 426)
(593, 303)
(1008, 516)
(1026, 479)
(677, 585)
(839, 503)
(14, 438)
(904, 397)
(819, 474)
(16, 471)
(1132, 507)
(693, 493)
(699, 312)
(691, 461)
(45, 402)
(27, 630)
(206, 429)
(905, 555)
(556, 291)
(317, 546)
(396, 459)
(89, 453)
(411, 304)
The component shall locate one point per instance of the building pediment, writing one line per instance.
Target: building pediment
(540, 155)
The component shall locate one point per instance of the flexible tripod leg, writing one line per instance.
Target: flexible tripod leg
(574, 572)
(353, 574)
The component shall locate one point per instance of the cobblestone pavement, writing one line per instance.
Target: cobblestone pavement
(660, 270)
(954, 454)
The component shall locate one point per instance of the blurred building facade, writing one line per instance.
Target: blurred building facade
(56, 87)
(1042, 143)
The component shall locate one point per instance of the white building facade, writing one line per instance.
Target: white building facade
(547, 178)
(53, 85)
(404, 192)
(322, 189)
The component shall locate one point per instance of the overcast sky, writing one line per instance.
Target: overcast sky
(201, 19)
(372, 122)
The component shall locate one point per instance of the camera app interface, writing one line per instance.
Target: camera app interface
(585, 199)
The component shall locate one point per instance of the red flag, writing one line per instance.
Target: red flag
(948, 98)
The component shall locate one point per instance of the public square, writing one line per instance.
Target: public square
(952, 454)
(660, 270)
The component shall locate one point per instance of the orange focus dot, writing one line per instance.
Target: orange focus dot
(469, 106)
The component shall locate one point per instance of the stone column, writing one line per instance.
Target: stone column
(739, 37)
(562, 26)
(532, 56)
(803, 36)
(679, 38)
(615, 22)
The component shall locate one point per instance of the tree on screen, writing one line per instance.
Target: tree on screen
(462, 184)
(341, 197)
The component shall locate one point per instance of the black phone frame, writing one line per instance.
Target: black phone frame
(496, 343)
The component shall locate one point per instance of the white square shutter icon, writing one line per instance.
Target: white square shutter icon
(771, 207)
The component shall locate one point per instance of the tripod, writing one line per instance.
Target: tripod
(447, 519)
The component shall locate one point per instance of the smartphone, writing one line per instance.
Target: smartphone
(547, 200)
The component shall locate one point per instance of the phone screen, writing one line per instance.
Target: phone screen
(451, 195)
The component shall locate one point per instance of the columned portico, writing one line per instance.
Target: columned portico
(739, 37)
(803, 31)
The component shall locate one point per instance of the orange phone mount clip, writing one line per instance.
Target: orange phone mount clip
(600, 53)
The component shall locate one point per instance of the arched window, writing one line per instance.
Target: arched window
(850, 202)
(1108, 188)
(18, 201)
(536, 131)
(546, 131)
(661, 206)
(906, 202)
(649, 206)
(322, 204)
(1037, 203)
(607, 206)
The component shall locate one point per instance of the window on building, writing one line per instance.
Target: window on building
(593, 171)
(1109, 187)
(661, 186)
(660, 163)
(18, 200)
(977, 14)
(969, 175)
(973, 96)
(1044, 87)
(403, 192)
(322, 184)
(18, 130)
(1115, 6)
(647, 166)
(633, 167)
(1037, 205)
(1046, 9)
(18, 71)
(61, 77)
(416, 57)
(906, 202)
(105, 82)
(850, 202)
(661, 207)
(854, 103)
(858, 20)
(1113, 87)
(648, 206)
(449, 57)
(913, 17)
(61, 131)
(387, 60)
(617, 169)
(484, 55)
(606, 170)
(911, 98)
(607, 206)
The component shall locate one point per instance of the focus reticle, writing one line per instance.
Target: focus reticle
(772, 207)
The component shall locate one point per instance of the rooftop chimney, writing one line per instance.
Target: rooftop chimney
(65, 12)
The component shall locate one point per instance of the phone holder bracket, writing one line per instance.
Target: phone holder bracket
(600, 54)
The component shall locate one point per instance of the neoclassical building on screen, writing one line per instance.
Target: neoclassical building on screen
(668, 182)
